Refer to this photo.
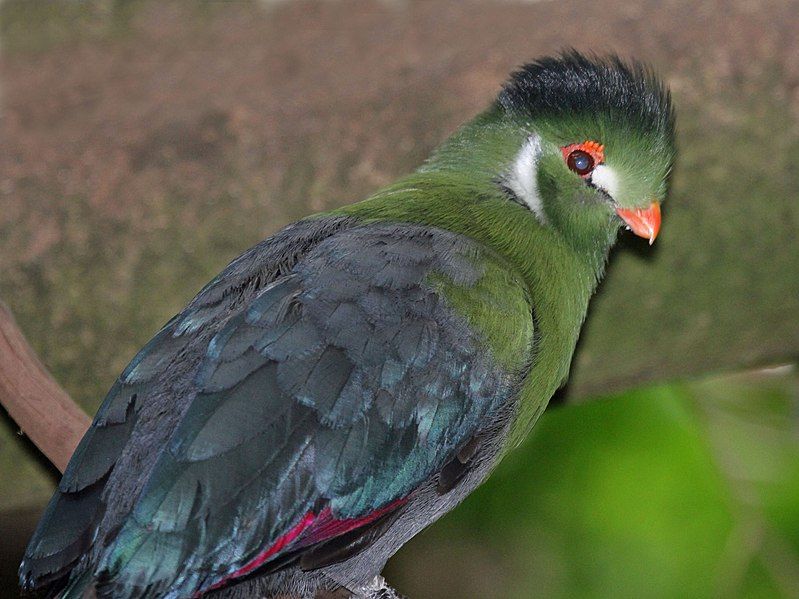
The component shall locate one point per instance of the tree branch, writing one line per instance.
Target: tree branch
(39, 406)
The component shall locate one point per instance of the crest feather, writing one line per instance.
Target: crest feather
(575, 83)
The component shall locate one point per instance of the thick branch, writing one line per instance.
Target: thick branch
(39, 406)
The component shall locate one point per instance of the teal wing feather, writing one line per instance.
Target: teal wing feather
(71, 523)
(345, 385)
(65, 530)
(341, 385)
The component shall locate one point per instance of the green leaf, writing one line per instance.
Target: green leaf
(669, 492)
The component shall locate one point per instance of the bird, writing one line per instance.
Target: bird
(346, 382)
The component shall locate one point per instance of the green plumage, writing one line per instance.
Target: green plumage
(536, 263)
(346, 382)
(558, 266)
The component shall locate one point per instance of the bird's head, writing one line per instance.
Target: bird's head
(597, 145)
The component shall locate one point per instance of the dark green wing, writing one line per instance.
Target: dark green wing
(65, 530)
(343, 385)
(147, 386)
(339, 387)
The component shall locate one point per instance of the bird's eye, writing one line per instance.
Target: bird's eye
(583, 157)
(580, 162)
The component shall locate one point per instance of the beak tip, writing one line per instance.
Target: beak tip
(644, 222)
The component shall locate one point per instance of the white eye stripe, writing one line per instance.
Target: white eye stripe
(522, 179)
(605, 178)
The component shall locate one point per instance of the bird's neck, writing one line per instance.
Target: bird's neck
(559, 277)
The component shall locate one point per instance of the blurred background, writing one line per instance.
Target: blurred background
(144, 144)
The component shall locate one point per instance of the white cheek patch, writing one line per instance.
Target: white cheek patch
(522, 179)
(605, 179)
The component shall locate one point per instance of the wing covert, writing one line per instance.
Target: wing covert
(342, 385)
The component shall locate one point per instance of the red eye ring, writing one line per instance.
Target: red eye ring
(582, 158)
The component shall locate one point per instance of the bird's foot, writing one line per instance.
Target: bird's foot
(379, 589)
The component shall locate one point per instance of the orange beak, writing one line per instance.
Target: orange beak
(644, 222)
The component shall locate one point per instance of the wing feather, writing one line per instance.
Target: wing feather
(341, 385)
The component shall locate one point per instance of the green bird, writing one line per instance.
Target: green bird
(349, 380)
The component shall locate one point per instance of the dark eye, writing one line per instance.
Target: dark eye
(580, 162)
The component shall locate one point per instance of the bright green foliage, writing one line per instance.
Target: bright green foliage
(666, 493)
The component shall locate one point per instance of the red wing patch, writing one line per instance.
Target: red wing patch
(326, 526)
(260, 559)
(310, 530)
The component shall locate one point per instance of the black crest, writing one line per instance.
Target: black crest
(574, 83)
